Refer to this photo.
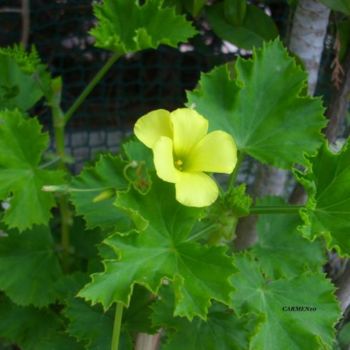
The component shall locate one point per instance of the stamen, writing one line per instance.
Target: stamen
(178, 164)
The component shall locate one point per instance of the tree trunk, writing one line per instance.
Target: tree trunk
(307, 37)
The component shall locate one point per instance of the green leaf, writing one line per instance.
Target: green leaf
(106, 176)
(22, 145)
(280, 326)
(338, 5)
(328, 206)
(69, 285)
(33, 329)
(137, 317)
(90, 325)
(21, 76)
(281, 250)
(29, 267)
(125, 26)
(194, 7)
(255, 28)
(159, 250)
(235, 11)
(137, 152)
(222, 329)
(262, 108)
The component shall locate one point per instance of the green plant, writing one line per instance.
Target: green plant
(124, 256)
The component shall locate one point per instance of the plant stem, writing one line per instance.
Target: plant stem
(235, 172)
(58, 124)
(96, 79)
(201, 232)
(116, 326)
(285, 209)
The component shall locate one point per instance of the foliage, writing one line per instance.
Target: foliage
(279, 326)
(261, 119)
(135, 32)
(338, 5)
(97, 180)
(23, 78)
(247, 29)
(279, 239)
(123, 254)
(159, 249)
(31, 259)
(326, 213)
(22, 145)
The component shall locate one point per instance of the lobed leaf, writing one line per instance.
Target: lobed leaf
(279, 326)
(89, 325)
(328, 206)
(262, 108)
(23, 78)
(22, 145)
(159, 250)
(125, 26)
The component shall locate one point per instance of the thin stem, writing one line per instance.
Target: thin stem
(285, 209)
(67, 189)
(49, 163)
(201, 232)
(58, 124)
(116, 326)
(235, 172)
(100, 74)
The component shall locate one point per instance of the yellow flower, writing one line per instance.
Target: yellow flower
(183, 151)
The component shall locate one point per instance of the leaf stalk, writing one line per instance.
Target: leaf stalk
(284, 209)
(58, 124)
(117, 326)
(86, 92)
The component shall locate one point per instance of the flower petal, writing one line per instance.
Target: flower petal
(149, 128)
(164, 160)
(196, 189)
(216, 152)
(189, 128)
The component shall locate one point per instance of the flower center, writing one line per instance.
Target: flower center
(179, 164)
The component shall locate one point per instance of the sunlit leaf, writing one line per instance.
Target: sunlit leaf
(125, 26)
(159, 249)
(262, 107)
